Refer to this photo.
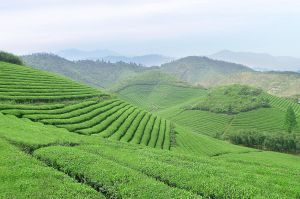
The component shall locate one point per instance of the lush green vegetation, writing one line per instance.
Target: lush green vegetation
(117, 169)
(22, 176)
(232, 100)
(10, 58)
(281, 142)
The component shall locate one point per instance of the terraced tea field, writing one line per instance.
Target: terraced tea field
(107, 118)
(111, 118)
(266, 120)
(283, 104)
(25, 84)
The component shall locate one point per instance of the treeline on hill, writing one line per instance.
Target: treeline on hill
(281, 142)
(10, 58)
(232, 100)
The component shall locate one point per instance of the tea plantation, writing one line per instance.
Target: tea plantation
(62, 139)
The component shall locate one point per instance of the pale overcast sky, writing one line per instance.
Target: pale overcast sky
(135, 27)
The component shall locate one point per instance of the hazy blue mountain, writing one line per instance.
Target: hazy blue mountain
(146, 60)
(76, 54)
(259, 61)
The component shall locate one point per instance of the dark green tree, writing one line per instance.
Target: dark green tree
(290, 119)
(10, 58)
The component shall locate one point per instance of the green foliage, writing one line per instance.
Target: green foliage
(22, 176)
(281, 142)
(116, 180)
(290, 119)
(10, 58)
(232, 100)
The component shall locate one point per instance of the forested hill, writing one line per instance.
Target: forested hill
(94, 73)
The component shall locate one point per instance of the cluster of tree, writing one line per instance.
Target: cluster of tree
(10, 58)
(281, 142)
(232, 100)
(290, 120)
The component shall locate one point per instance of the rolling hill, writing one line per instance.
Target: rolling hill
(193, 70)
(69, 149)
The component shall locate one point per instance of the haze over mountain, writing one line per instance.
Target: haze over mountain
(112, 56)
(146, 60)
(259, 61)
(76, 54)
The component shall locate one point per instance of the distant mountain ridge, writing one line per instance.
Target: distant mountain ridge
(75, 54)
(259, 61)
(146, 60)
(111, 56)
